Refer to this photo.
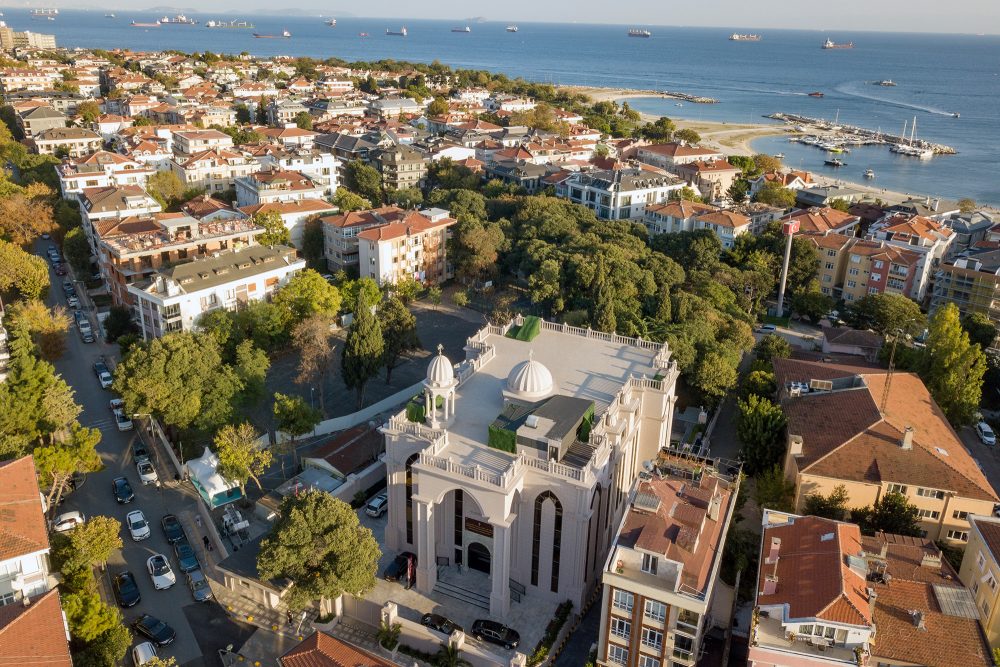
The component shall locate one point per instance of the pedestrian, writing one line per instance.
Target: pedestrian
(208, 544)
(288, 615)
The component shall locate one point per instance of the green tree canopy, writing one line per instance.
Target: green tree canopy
(772, 346)
(304, 120)
(760, 426)
(166, 188)
(399, 332)
(363, 350)
(774, 194)
(688, 135)
(953, 367)
(890, 513)
(348, 201)
(293, 415)
(980, 328)
(363, 179)
(241, 456)
(27, 274)
(275, 232)
(813, 305)
(88, 616)
(886, 313)
(438, 107)
(319, 544)
(308, 293)
(773, 491)
(832, 506)
(760, 383)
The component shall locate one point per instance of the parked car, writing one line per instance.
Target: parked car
(495, 633)
(397, 569)
(767, 328)
(125, 589)
(116, 404)
(72, 302)
(172, 529)
(67, 521)
(986, 434)
(67, 287)
(123, 421)
(147, 473)
(440, 623)
(378, 505)
(198, 584)
(160, 572)
(143, 654)
(187, 560)
(60, 269)
(137, 525)
(103, 374)
(83, 325)
(154, 629)
(88, 335)
(139, 451)
(123, 490)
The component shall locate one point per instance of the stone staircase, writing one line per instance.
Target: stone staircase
(468, 596)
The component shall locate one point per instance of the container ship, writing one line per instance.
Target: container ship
(45, 12)
(830, 44)
(637, 32)
(739, 37)
(139, 24)
(397, 33)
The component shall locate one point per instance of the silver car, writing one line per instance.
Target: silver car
(198, 584)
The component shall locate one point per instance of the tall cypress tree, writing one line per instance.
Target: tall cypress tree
(362, 356)
(603, 316)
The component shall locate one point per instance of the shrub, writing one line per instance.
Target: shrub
(544, 645)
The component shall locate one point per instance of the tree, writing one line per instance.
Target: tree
(363, 179)
(774, 194)
(313, 339)
(26, 273)
(91, 544)
(833, 506)
(251, 365)
(840, 205)
(308, 293)
(118, 323)
(474, 247)
(109, 648)
(47, 327)
(56, 463)
(438, 107)
(399, 331)
(772, 346)
(767, 163)
(813, 305)
(661, 130)
(275, 232)
(714, 375)
(981, 330)
(953, 367)
(319, 545)
(352, 289)
(772, 490)
(739, 190)
(967, 205)
(294, 416)
(886, 313)
(347, 201)
(241, 456)
(408, 198)
(687, 193)
(313, 244)
(758, 382)
(25, 216)
(760, 426)
(304, 120)
(449, 655)
(406, 289)
(166, 188)
(686, 134)
(890, 513)
(87, 615)
(363, 349)
(88, 111)
(76, 248)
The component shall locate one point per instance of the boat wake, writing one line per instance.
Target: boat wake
(846, 90)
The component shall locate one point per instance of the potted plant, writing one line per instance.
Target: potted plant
(388, 637)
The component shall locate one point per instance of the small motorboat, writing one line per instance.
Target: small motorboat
(779, 156)
(835, 162)
(816, 94)
(869, 173)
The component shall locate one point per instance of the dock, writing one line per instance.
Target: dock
(854, 135)
(695, 99)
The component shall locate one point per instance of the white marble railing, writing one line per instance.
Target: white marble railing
(555, 468)
(475, 472)
(436, 437)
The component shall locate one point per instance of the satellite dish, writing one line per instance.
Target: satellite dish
(648, 466)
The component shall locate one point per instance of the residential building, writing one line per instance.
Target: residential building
(824, 220)
(876, 433)
(659, 579)
(712, 178)
(970, 229)
(851, 268)
(35, 633)
(521, 173)
(340, 234)
(215, 169)
(282, 111)
(761, 215)
(36, 120)
(619, 194)
(191, 142)
(320, 167)
(132, 249)
(402, 167)
(24, 557)
(174, 298)
(930, 239)
(75, 141)
(60, 100)
(522, 465)
(674, 216)
(980, 572)
(667, 156)
(13, 79)
(294, 214)
(853, 342)
(112, 202)
(290, 135)
(394, 107)
(346, 148)
(726, 225)
(826, 195)
(12, 39)
(832, 250)
(792, 180)
(323, 650)
(415, 247)
(100, 170)
(276, 185)
(927, 207)
(970, 281)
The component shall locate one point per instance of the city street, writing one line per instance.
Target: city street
(95, 497)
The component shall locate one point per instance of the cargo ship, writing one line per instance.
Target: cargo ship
(396, 33)
(45, 12)
(284, 35)
(830, 44)
(739, 37)
(180, 19)
(638, 32)
(230, 24)
(139, 24)
(462, 29)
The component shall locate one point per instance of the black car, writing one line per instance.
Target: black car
(139, 451)
(398, 567)
(495, 633)
(186, 558)
(172, 529)
(68, 286)
(123, 490)
(126, 590)
(440, 623)
(154, 629)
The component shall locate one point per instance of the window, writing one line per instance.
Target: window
(623, 600)
(829, 266)
(961, 535)
(879, 264)
(6, 599)
(617, 654)
(621, 628)
(648, 661)
(556, 539)
(876, 277)
(930, 493)
(649, 564)
(981, 561)
(855, 259)
(828, 278)
(409, 497)
(805, 629)
(851, 283)
(928, 514)
(853, 271)
(992, 582)
(897, 488)
(656, 610)
(960, 514)
(831, 253)
(873, 290)
(652, 639)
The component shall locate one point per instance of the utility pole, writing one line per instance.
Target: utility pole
(788, 229)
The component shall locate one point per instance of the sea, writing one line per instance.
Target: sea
(937, 75)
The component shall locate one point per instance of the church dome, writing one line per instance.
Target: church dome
(530, 380)
(440, 372)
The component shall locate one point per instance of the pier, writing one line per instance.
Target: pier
(854, 135)
(696, 99)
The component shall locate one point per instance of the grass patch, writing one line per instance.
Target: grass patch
(776, 321)
(526, 332)
(101, 300)
(502, 439)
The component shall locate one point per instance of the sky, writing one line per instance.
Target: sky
(962, 16)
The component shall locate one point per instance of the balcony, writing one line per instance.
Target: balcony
(771, 643)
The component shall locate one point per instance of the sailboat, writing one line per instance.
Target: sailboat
(909, 148)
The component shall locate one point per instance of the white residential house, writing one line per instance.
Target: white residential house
(76, 141)
(195, 141)
(214, 169)
(294, 214)
(669, 155)
(416, 247)
(320, 167)
(619, 194)
(276, 185)
(103, 203)
(99, 170)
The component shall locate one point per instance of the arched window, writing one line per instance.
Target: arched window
(556, 539)
(409, 497)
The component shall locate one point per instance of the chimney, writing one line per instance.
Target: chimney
(713, 507)
(917, 617)
(772, 554)
(907, 442)
(795, 445)
(770, 584)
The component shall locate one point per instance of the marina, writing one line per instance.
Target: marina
(823, 133)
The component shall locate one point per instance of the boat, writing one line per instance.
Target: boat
(835, 162)
(138, 24)
(512, 28)
(180, 19)
(739, 37)
(230, 24)
(362, 34)
(830, 44)
(50, 18)
(462, 29)
(397, 33)
(956, 115)
(816, 94)
(779, 156)
(331, 22)
(912, 149)
(869, 173)
(45, 12)
(284, 35)
(107, 16)
(639, 32)
(887, 83)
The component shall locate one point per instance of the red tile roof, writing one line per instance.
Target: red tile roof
(322, 650)
(22, 521)
(34, 635)
(823, 220)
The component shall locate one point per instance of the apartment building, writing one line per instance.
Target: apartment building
(132, 249)
(980, 572)
(320, 167)
(101, 169)
(74, 141)
(289, 135)
(14, 79)
(619, 194)
(875, 434)
(712, 178)
(36, 119)
(971, 282)
(402, 167)
(669, 155)
(851, 268)
(294, 214)
(188, 143)
(215, 169)
(414, 247)
(174, 298)
(103, 203)
(674, 216)
(659, 579)
(340, 234)
(929, 238)
(276, 185)
(824, 220)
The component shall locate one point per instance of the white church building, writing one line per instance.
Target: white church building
(522, 466)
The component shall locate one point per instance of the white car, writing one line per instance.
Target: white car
(124, 421)
(143, 654)
(116, 404)
(986, 434)
(137, 526)
(147, 473)
(68, 521)
(378, 505)
(72, 302)
(159, 571)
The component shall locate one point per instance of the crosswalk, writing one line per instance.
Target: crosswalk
(107, 423)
